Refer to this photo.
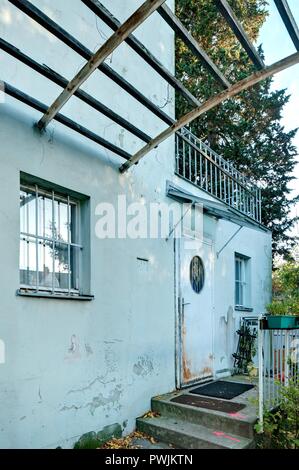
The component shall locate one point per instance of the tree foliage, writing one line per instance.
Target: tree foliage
(247, 129)
(286, 279)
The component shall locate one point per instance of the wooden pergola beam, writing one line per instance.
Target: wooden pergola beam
(43, 20)
(135, 20)
(239, 32)
(178, 27)
(113, 23)
(37, 105)
(50, 74)
(212, 103)
(289, 21)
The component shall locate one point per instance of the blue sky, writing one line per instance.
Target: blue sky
(277, 44)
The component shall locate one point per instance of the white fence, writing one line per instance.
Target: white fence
(278, 352)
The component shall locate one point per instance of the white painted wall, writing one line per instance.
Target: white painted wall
(249, 242)
(255, 245)
(49, 395)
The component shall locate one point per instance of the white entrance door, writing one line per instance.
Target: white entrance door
(195, 311)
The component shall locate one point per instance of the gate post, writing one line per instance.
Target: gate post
(261, 371)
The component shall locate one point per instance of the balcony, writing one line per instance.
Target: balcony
(197, 163)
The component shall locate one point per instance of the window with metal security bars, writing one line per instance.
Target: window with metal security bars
(242, 286)
(50, 247)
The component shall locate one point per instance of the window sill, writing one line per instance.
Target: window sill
(48, 295)
(243, 309)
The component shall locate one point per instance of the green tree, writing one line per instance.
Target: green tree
(246, 130)
(286, 279)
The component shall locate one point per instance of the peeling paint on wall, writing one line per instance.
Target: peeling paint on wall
(73, 352)
(111, 359)
(143, 367)
(99, 401)
(88, 349)
(100, 379)
(40, 396)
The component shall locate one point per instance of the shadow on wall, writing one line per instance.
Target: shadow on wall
(227, 326)
(2, 352)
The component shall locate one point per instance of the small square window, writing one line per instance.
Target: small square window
(51, 249)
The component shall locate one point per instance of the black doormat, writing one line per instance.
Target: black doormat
(209, 403)
(222, 389)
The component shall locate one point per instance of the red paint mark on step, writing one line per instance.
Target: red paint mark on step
(222, 434)
(237, 415)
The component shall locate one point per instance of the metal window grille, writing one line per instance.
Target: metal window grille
(201, 166)
(50, 248)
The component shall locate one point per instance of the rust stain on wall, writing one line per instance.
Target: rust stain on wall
(187, 374)
(186, 371)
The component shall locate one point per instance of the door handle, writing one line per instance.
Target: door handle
(185, 303)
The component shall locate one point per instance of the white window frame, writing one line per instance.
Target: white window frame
(242, 285)
(54, 195)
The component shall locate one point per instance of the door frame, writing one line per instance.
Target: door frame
(178, 310)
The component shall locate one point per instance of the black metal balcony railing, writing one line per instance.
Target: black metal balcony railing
(199, 164)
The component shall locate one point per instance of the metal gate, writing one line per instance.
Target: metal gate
(278, 353)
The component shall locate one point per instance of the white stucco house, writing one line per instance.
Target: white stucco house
(91, 328)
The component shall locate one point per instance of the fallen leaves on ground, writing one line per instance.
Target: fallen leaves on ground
(127, 442)
(151, 414)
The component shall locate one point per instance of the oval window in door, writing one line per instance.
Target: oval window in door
(197, 274)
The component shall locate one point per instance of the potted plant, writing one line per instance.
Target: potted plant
(283, 314)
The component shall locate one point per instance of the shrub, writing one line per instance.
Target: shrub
(281, 427)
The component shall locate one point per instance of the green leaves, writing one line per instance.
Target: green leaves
(281, 428)
(285, 282)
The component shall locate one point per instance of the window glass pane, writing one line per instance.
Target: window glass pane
(241, 294)
(27, 212)
(41, 217)
(237, 294)
(45, 224)
(241, 261)
(62, 223)
(61, 266)
(56, 221)
(237, 269)
(23, 224)
(75, 259)
(28, 261)
(45, 263)
(73, 224)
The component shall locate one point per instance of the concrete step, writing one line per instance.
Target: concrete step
(240, 424)
(186, 435)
